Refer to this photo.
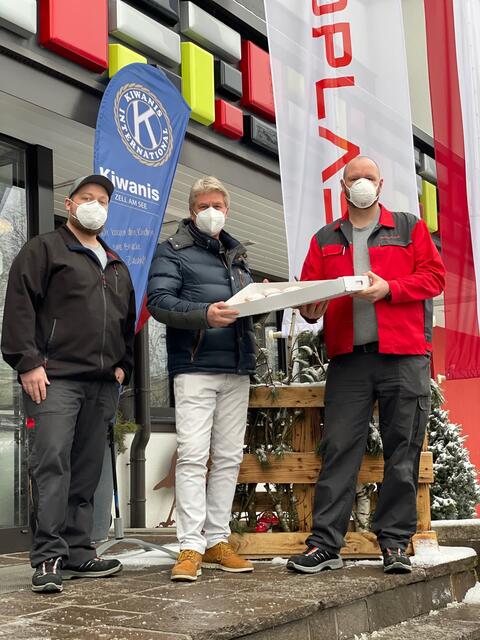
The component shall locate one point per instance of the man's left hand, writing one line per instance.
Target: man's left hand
(119, 375)
(377, 290)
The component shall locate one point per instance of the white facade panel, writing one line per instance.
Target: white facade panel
(143, 33)
(209, 32)
(19, 16)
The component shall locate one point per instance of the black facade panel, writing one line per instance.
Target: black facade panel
(174, 79)
(228, 80)
(260, 134)
(166, 9)
(416, 153)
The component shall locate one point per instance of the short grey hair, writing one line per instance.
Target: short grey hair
(204, 185)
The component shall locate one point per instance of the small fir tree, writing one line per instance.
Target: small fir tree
(455, 491)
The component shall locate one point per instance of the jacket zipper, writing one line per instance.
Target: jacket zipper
(104, 286)
(200, 334)
(241, 278)
(116, 278)
(49, 341)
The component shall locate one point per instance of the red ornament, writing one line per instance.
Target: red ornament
(266, 521)
(30, 423)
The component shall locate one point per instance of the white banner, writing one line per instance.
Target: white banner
(466, 21)
(340, 83)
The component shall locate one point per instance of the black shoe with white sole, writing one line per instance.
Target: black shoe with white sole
(94, 568)
(396, 561)
(47, 577)
(313, 560)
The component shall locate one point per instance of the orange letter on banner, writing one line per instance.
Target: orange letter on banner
(329, 83)
(329, 32)
(351, 151)
(331, 7)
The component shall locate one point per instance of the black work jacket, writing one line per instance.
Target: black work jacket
(63, 311)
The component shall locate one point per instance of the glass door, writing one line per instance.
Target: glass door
(14, 532)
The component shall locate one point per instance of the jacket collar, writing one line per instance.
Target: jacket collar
(74, 244)
(188, 234)
(385, 219)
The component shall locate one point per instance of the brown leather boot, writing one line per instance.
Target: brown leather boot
(188, 566)
(223, 557)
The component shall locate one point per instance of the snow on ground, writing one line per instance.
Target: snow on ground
(456, 523)
(473, 595)
(140, 559)
(428, 555)
(355, 563)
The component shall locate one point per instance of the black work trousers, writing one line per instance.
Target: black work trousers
(66, 451)
(401, 385)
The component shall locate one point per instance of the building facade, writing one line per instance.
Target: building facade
(56, 58)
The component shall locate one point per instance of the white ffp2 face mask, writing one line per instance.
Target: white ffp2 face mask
(363, 193)
(210, 221)
(91, 215)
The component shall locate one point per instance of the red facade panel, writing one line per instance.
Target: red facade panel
(228, 119)
(77, 30)
(257, 80)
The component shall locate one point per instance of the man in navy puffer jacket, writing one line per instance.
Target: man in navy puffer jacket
(210, 356)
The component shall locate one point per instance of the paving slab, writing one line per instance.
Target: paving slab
(8, 561)
(34, 630)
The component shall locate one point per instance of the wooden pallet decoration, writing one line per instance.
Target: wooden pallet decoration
(301, 468)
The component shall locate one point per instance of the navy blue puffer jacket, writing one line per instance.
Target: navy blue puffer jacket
(189, 272)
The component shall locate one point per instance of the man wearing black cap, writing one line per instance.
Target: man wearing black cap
(68, 331)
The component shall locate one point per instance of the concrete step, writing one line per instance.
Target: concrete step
(460, 622)
(269, 604)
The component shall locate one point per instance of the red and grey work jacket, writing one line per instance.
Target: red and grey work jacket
(402, 253)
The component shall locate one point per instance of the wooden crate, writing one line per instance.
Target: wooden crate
(301, 468)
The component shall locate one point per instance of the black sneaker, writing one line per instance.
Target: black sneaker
(396, 561)
(47, 577)
(313, 560)
(94, 568)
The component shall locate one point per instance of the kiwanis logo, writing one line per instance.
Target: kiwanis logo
(143, 124)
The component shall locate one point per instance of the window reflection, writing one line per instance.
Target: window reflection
(160, 394)
(13, 234)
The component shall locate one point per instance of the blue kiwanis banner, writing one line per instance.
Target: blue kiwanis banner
(140, 130)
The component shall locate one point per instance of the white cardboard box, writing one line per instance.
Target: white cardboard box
(306, 292)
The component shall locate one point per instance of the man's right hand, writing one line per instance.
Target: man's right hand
(219, 314)
(34, 383)
(314, 310)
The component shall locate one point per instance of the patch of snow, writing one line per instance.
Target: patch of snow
(355, 563)
(427, 553)
(321, 383)
(282, 561)
(456, 523)
(143, 559)
(473, 595)
(430, 555)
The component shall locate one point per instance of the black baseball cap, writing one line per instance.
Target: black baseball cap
(96, 178)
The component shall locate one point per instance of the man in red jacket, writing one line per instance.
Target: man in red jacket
(379, 343)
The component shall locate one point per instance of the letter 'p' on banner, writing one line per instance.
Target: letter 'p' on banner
(140, 131)
(340, 84)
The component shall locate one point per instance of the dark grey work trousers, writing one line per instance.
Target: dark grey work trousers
(401, 384)
(66, 450)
